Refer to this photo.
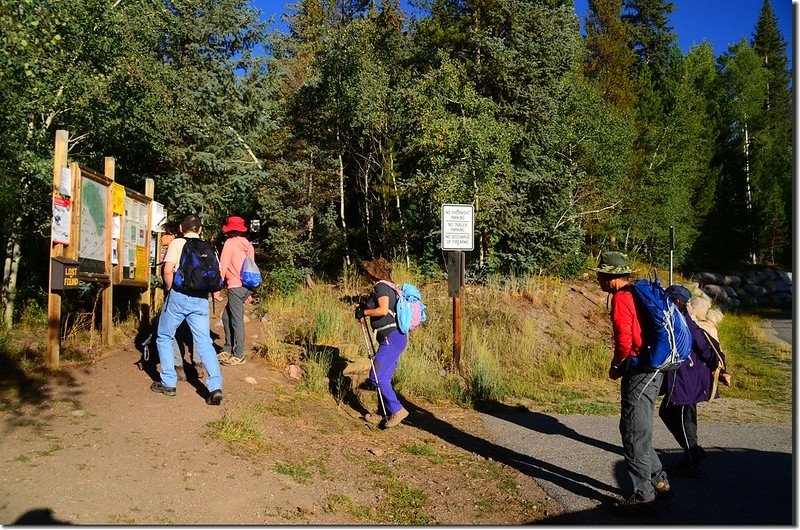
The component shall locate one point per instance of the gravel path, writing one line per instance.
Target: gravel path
(747, 476)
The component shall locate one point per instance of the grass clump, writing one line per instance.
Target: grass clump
(403, 504)
(419, 448)
(298, 473)
(761, 371)
(239, 431)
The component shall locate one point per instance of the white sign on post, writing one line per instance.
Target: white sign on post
(457, 231)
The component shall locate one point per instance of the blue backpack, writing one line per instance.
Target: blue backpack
(409, 311)
(250, 275)
(198, 270)
(667, 341)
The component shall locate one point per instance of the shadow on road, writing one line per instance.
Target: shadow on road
(544, 424)
(738, 487)
(537, 469)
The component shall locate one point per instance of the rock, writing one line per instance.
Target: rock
(705, 278)
(293, 371)
(785, 277)
(781, 299)
(755, 290)
(750, 277)
(358, 366)
(729, 291)
(717, 293)
(251, 380)
(782, 286)
(731, 303)
(769, 285)
(376, 451)
(732, 281)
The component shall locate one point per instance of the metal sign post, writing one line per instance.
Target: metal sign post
(457, 236)
(671, 250)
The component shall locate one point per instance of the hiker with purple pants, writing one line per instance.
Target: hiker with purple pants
(687, 386)
(391, 343)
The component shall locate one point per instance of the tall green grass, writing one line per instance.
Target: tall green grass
(761, 370)
(507, 353)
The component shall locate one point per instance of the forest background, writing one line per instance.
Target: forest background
(345, 134)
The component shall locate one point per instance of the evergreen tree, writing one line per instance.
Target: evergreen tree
(772, 149)
(609, 58)
(652, 35)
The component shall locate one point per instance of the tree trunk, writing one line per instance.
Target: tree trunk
(10, 272)
(310, 224)
(749, 196)
(341, 211)
(399, 210)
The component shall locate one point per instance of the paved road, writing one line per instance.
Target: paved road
(779, 328)
(747, 476)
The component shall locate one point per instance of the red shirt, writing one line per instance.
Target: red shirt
(627, 330)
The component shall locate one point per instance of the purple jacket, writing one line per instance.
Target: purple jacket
(691, 383)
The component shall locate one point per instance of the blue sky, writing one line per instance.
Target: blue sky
(720, 22)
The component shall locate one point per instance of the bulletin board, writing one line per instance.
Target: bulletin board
(133, 244)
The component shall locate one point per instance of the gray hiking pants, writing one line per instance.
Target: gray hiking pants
(636, 427)
(233, 321)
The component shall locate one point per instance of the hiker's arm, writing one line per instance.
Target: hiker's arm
(381, 310)
(623, 319)
(169, 274)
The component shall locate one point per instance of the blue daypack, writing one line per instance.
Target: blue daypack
(409, 311)
(667, 341)
(250, 275)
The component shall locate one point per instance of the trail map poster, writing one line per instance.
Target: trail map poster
(92, 247)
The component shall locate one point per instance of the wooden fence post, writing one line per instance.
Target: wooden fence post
(56, 251)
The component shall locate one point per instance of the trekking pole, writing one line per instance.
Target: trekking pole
(371, 355)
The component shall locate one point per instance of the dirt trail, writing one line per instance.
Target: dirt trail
(96, 446)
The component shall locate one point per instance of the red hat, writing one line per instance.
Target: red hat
(234, 223)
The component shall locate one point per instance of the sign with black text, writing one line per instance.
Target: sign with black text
(457, 231)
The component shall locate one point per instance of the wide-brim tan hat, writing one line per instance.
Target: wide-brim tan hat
(613, 264)
(379, 268)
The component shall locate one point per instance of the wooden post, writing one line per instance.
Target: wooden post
(145, 301)
(71, 251)
(56, 251)
(107, 319)
(457, 334)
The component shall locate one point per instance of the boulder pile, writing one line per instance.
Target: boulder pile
(764, 287)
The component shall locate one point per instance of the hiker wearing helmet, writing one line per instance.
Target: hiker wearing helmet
(685, 387)
(638, 390)
(380, 308)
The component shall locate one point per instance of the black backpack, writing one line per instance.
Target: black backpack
(198, 270)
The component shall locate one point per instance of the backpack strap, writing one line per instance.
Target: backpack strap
(397, 294)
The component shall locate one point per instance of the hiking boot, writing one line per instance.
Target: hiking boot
(215, 398)
(634, 505)
(686, 469)
(663, 489)
(396, 418)
(373, 418)
(181, 375)
(223, 356)
(233, 361)
(698, 454)
(160, 388)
